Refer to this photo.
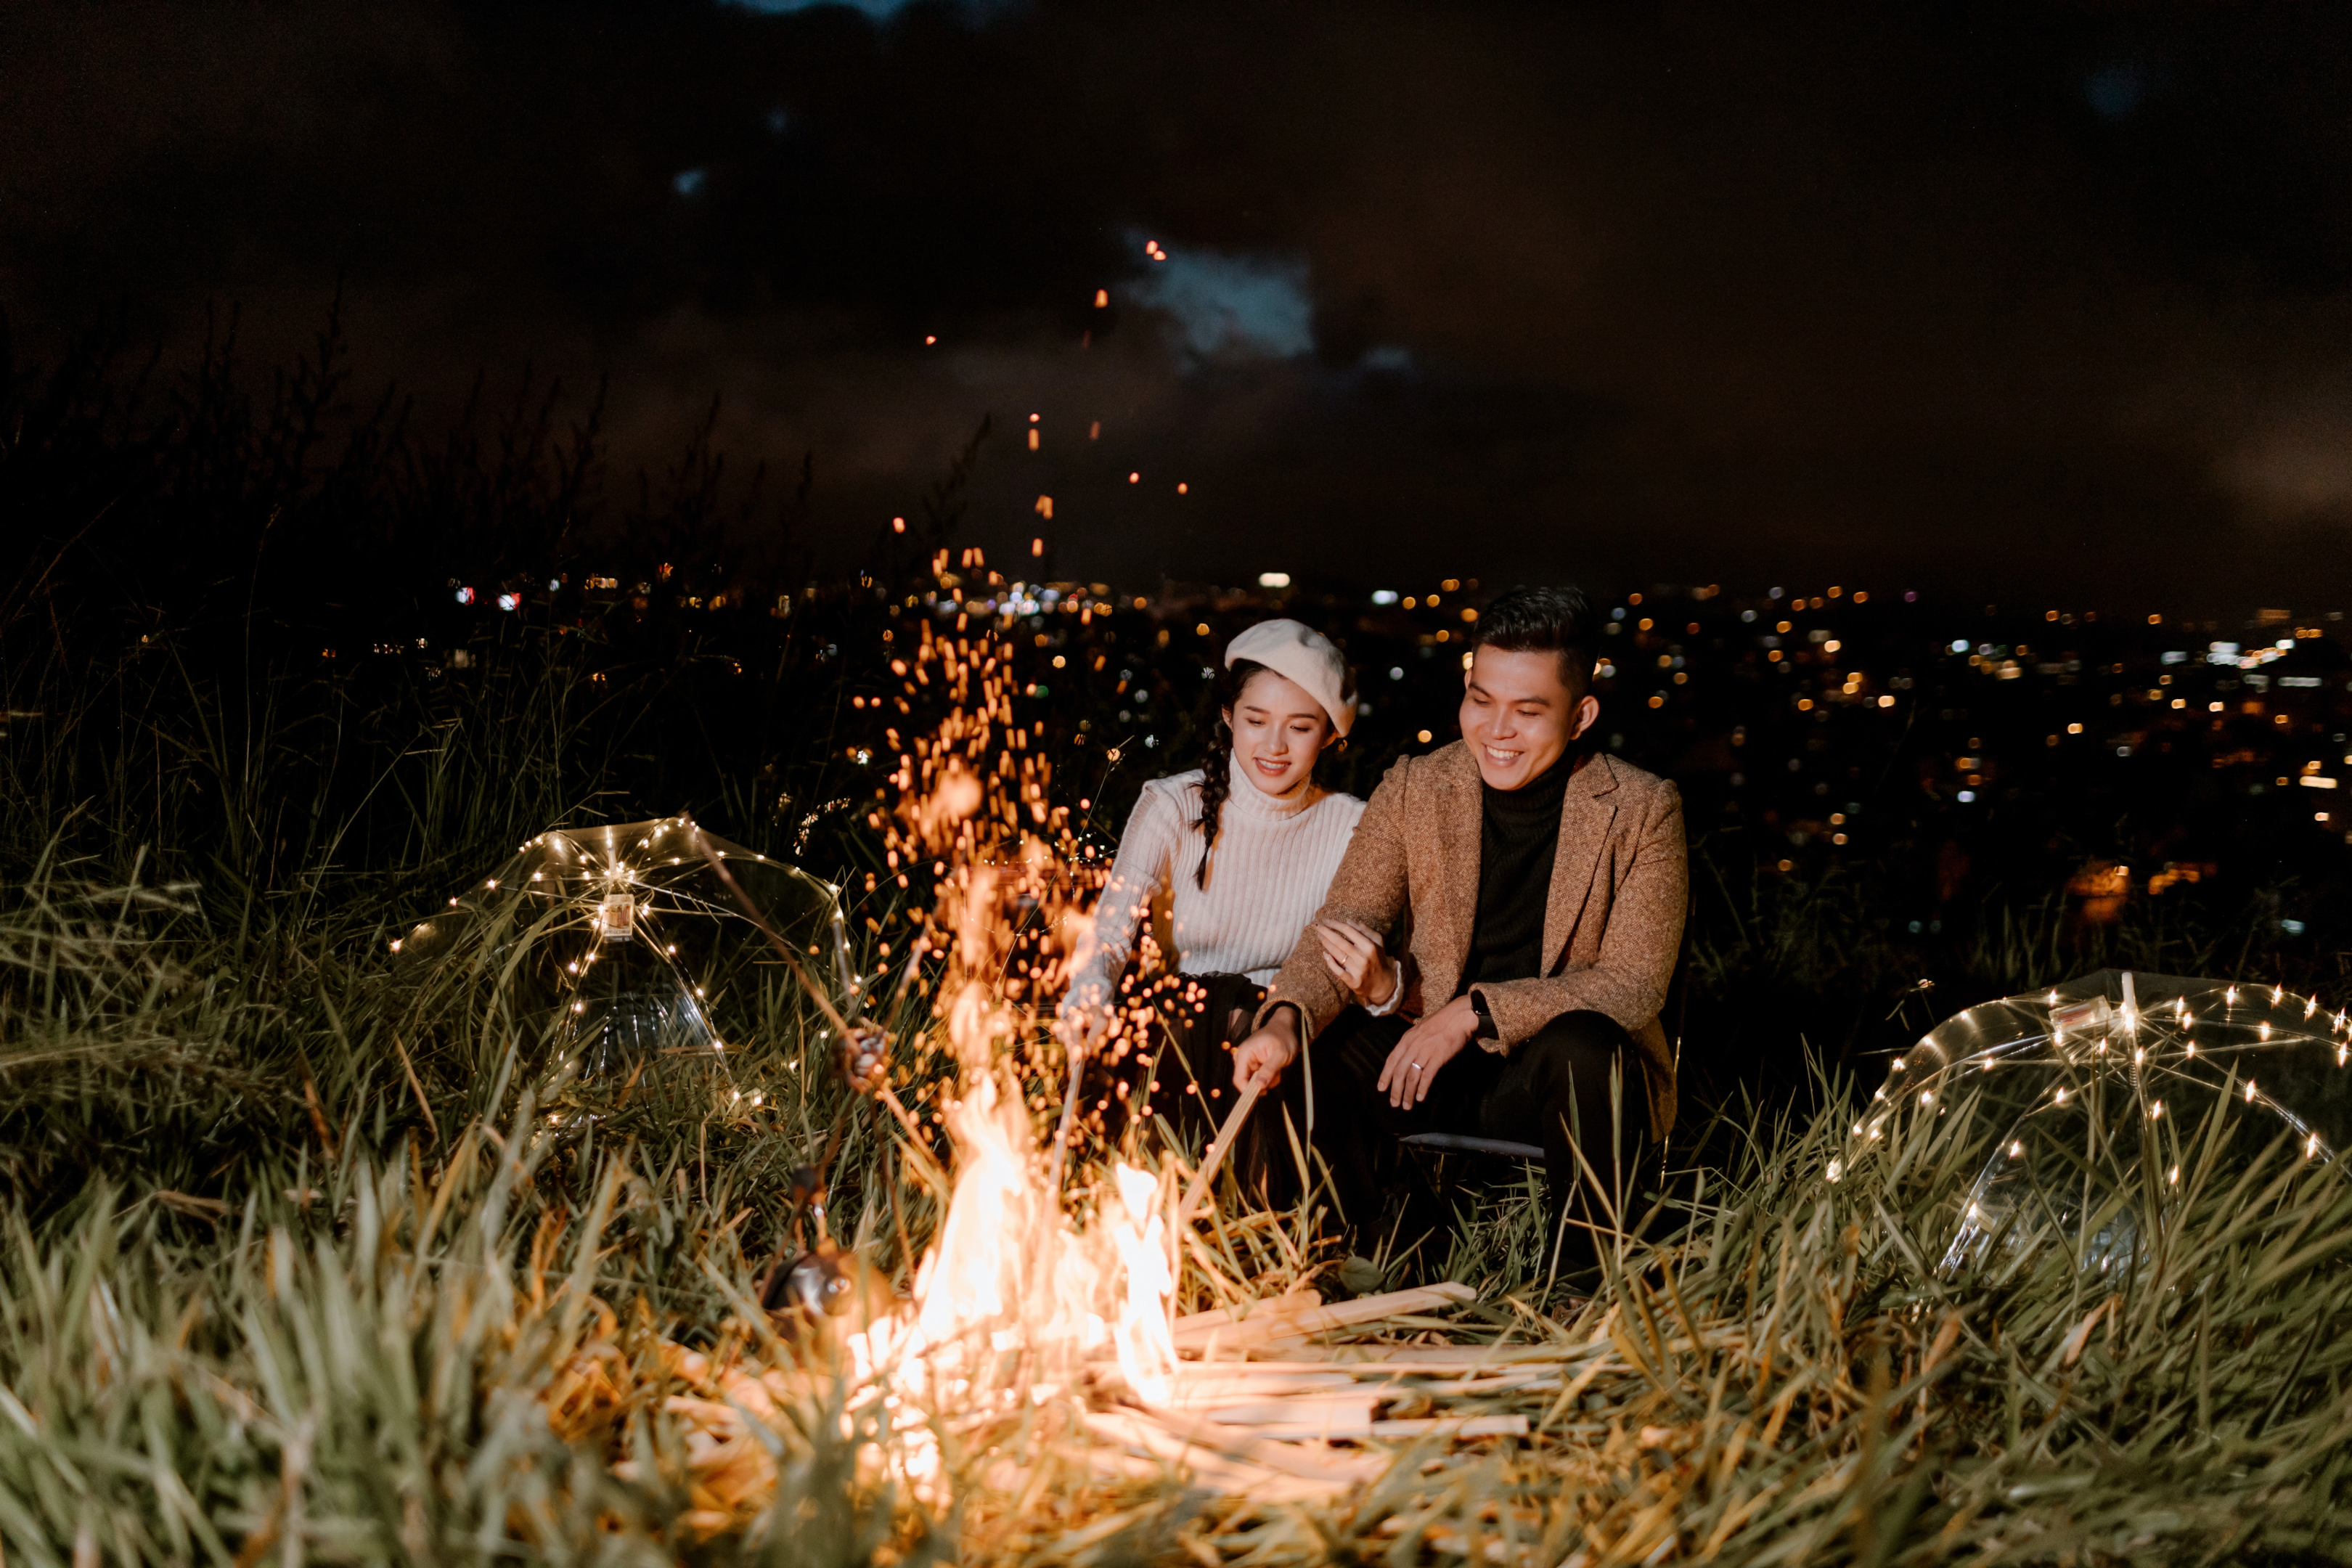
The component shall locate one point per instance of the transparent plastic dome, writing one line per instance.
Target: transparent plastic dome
(638, 944)
(2088, 1110)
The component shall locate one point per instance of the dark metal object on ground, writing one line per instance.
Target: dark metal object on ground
(811, 1280)
(808, 1282)
(1463, 1143)
(820, 1282)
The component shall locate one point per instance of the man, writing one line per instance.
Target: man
(1543, 885)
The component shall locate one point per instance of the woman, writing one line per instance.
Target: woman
(1240, 852)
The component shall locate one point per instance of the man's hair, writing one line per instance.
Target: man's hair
(1546, 620)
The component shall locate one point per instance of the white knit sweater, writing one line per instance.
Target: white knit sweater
(1275, 861)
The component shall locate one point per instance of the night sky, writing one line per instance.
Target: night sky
(2048, 301)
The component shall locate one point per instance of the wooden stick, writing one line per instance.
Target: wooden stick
(1277, 1321)
(1196, 1394)
(1310, 1464)
(1453, 1426)
(1069, 1118)
(1302, 1295)
(1214, 1466)
(1380, 1361)
(1346, 1415)
(1216, 1156)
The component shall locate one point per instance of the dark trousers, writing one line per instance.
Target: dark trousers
(1575, 1086)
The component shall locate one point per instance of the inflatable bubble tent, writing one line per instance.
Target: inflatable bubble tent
(634, 945)
(2089, 1111)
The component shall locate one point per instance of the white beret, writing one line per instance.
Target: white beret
(1303, 655)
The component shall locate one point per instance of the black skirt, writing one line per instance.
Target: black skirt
(1178, 1068)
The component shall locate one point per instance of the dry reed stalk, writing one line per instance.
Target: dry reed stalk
(1298, 1296)
(1227, 1131)
(1276, 1321)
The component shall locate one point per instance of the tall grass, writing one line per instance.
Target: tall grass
(382, 1345)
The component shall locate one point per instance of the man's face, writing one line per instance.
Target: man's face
(1519, 713)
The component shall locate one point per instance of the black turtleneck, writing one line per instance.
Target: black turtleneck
(1518, 837)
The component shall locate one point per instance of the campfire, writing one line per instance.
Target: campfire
(1043, 1323)
(1048, 1287)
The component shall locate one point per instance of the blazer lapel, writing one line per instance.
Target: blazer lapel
(1586, 814)
(1449, 916)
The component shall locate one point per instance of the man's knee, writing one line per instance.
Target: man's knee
(1583, 1053)
(1578, 1042)
(1586, 1029)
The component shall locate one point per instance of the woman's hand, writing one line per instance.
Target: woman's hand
(1260, 1058)
(1357, 961)
(1080, 1025)
(1428, 1045)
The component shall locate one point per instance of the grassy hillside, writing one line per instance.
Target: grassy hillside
(295, 1264)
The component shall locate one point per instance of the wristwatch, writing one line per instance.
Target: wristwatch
(1486, 1029)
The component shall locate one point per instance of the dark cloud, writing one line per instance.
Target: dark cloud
(2039, 296)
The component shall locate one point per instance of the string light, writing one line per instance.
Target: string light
(2029, 1037)
(606, 908)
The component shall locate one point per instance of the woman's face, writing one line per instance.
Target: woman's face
(1278, 730)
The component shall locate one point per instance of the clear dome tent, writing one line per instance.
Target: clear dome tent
(2088, 1110)
(634, 945)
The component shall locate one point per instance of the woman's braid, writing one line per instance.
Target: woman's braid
(1217, 767)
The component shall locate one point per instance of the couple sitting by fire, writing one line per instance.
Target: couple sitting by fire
(1484, 948)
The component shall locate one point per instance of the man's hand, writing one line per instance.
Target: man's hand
(1355, 959)
(1426, 1046)
(1261, 1058)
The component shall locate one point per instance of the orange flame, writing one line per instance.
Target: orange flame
(1012, 1302)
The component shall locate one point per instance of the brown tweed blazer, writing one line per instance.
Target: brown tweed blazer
(1612, 926)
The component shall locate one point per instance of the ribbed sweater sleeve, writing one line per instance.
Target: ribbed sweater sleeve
(1147, 855)
(1274, 860)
